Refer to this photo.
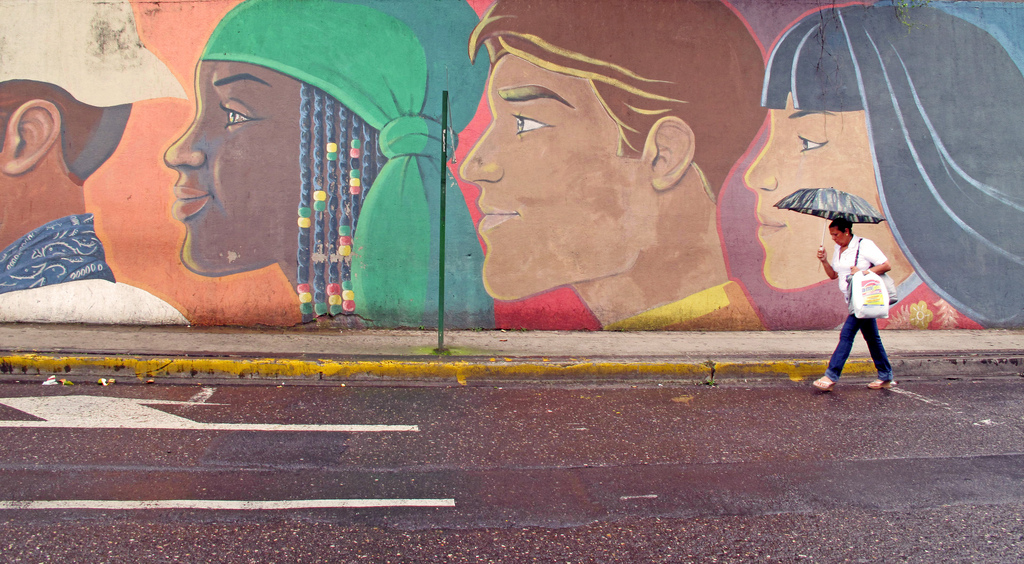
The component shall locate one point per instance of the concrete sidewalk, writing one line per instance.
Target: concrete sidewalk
(173, 354)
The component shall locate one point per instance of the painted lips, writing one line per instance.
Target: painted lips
(770, 226)
(190, 202)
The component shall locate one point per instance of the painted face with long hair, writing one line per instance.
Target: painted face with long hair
(810, 149)
(860, 104)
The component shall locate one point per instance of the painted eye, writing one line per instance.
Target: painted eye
(809, 145)
(524, 124)
(235, 118)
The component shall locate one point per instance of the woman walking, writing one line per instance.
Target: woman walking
(850, 256)
(858, 103)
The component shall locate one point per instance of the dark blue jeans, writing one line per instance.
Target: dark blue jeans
(869, 329)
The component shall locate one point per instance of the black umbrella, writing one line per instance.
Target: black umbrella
(830, 203)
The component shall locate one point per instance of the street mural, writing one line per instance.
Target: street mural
(68, 77)
(874, 118)
(350, 213)
(604, 159)
(613, 164)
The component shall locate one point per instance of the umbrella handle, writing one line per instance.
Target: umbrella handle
(824, 228)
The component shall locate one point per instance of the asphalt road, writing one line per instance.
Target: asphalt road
(927, 472)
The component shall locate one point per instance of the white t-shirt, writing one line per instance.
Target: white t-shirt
(870, 255)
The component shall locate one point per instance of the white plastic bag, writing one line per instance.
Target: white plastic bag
(869, 298)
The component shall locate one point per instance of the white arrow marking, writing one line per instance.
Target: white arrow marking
(201, 396)
(211, 504)
(97, 412)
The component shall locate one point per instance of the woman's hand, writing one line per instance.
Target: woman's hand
(828, 267)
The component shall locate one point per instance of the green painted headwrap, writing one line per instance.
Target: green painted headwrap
(388, 62)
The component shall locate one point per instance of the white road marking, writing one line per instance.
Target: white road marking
(232, 505)
(646, 496)
(943, 405)
(919, 397)
(98, 412)
(202, 396)
(194, 426)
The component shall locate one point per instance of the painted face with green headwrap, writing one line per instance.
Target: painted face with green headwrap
(316, 147)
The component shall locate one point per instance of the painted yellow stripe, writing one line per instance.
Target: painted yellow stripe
(337, 370)
(795, 370)
(72, 367)
(690, 307)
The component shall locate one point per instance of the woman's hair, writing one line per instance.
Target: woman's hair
(944, 104)
(338, 162)
(842, 224)
(693, 59)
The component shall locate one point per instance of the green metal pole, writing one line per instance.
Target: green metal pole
(444, 202)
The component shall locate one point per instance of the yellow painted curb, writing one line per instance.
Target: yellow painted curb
(483, 370)
(795, 370)
(273, 368)
(460, 371)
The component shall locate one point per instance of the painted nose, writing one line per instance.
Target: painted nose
(760, 174)
(756, 178)
(477, 168)
(184, 154)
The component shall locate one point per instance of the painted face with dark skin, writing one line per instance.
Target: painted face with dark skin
(238, 171)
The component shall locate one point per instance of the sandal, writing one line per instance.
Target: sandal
(824, 384)
(882, 384)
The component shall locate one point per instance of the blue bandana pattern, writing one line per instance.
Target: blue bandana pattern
(64, 250)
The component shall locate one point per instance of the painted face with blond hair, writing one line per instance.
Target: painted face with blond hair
(593, 139)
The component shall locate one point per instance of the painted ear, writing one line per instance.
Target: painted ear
(668, 152)
(32, 132)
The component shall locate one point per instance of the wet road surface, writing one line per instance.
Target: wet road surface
(580, 474)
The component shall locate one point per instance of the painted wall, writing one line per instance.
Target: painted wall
(269, 162)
